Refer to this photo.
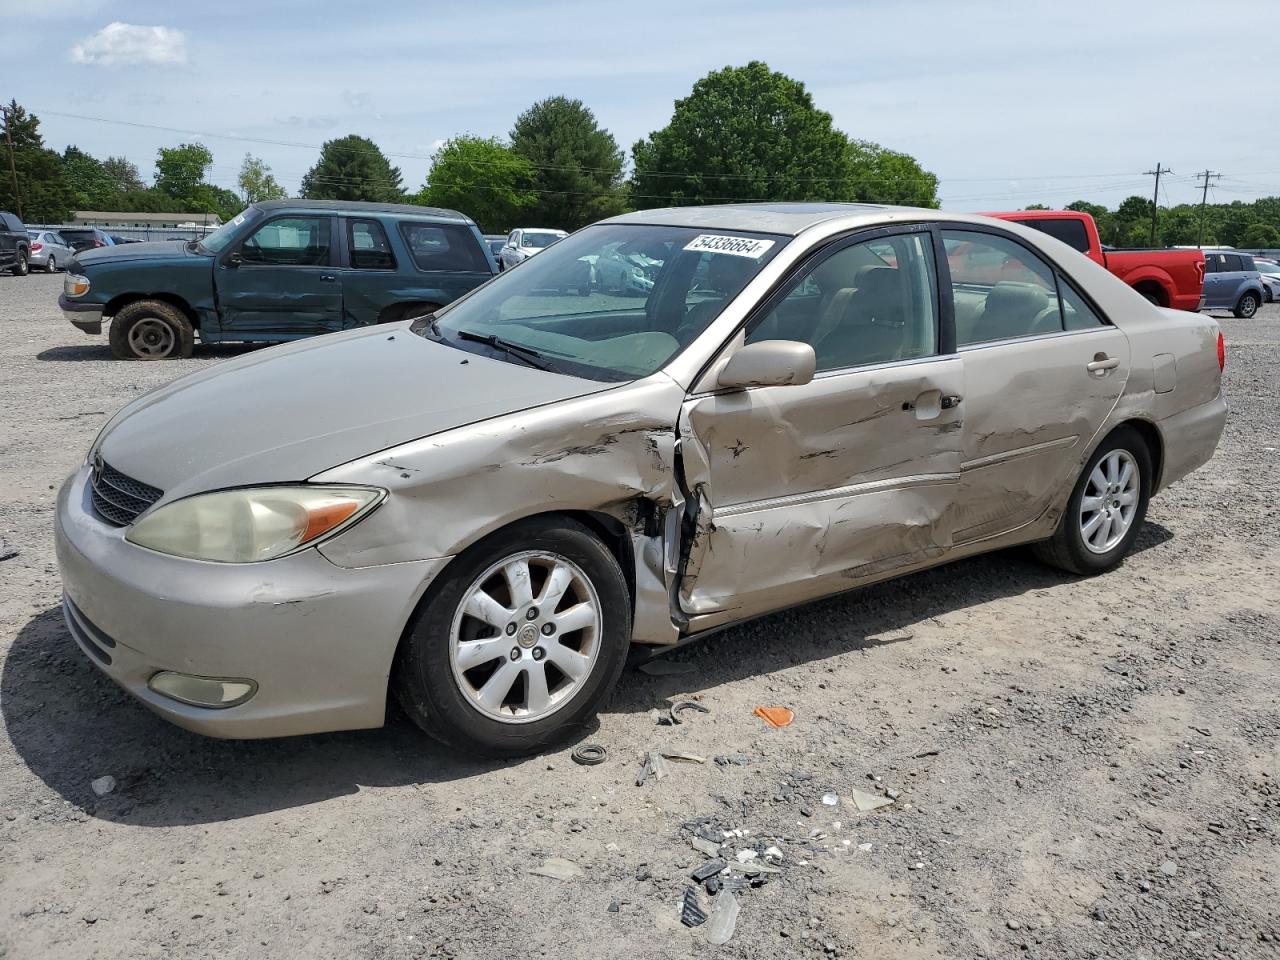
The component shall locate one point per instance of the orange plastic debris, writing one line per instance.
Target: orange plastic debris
(775, 716)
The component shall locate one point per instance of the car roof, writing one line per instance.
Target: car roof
(356, 206)
(784, 218)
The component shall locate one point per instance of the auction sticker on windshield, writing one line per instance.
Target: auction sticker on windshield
(735, 246)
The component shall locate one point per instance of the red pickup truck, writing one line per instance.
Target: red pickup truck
(1170, 278)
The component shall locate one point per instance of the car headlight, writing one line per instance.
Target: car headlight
(252, 524)
(74, 285)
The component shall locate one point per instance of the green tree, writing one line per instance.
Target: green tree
(123, 174)
(744, 133)
(483, 178)
(218, 201)
(41, 193)
(577, 164)
(257, 183)
(352, 168)
(1036, 206)
(1260, 235)
(880, 175)
(92, 187)
(181, 169)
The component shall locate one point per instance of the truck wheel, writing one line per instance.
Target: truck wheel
(21, 268)
(151, 330)
(1247, 306)
(519, 642)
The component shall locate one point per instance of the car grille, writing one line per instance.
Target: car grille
(119, 499)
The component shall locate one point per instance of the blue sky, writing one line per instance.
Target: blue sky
(1010, 103)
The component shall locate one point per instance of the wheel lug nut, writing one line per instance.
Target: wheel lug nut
(511, 629)
(548, 629)
(515, 653)
(538, 653)
(532, 614)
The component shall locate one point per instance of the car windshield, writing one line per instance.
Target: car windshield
(612, 302)
(215, 241)
(540, 239)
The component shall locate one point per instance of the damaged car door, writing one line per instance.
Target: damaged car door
(804, 490)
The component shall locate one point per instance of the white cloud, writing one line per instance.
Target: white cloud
(127, 44)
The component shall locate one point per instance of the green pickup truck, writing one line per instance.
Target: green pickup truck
(281, 270)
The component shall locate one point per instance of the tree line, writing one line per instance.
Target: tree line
(1246, 225)
(742, 134)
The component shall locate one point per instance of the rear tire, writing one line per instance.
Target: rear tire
(1246, 306)
(151, 330)
(444, 668)
(52, 265)
(1070, 548)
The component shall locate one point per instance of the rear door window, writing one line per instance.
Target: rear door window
(443, 246)
(1001, 289)
(1233, 264)
(368, 245)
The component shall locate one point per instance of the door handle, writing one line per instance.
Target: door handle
(1102, 362)
(328, 277)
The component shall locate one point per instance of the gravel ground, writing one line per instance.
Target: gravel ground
(1082, 768)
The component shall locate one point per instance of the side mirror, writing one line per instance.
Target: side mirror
(769, 363)
(234, 260)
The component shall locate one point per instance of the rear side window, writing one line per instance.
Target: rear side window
(1069, 231)
(443, 246)
(1233, 262)
(1076, 312)
(1002, 290)
(1246, 262)
(369, 247)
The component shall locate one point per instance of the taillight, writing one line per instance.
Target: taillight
(98, 243)
(37, 247)
(1222, 352)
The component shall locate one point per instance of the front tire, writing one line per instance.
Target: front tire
(1246, 306)
(519, 643)
(1106, 508)
(151, 330)
(22, 267)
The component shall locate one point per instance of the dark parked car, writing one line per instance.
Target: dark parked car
(15, 246)
(117, 239)
(86, 238)
(281, 270)
(496, 244)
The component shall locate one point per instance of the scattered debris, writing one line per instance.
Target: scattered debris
(83, 413)
(864, 847)
(866, 802)
(684, 757)
(7, 552)
(830, 800)
(702, 845)
(737, 759)
(613, 906)
(103, 785)
(724, 917)
(666, 668)
(1169, 868)
(709, 869)
(775, 716)
(926, 752)
(773, 853)
(673, 715)
(691, 914)
(746, 855)
(557, 868)
(654, 766)
(589, 754)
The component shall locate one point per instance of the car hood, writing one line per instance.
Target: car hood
(155, 250)
(287, 413)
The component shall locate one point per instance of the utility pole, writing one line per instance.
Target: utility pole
(1155, 200)
(1204, 198)
(13, 171)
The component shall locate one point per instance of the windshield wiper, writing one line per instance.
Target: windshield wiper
(530, 356)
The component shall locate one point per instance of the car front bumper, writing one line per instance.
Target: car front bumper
(86, 316)
(317, 639)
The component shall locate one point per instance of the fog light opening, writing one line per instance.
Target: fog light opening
(216, 693)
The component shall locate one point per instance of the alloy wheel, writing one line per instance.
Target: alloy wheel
(525, 637)
(151, 338)
(1110, 501)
